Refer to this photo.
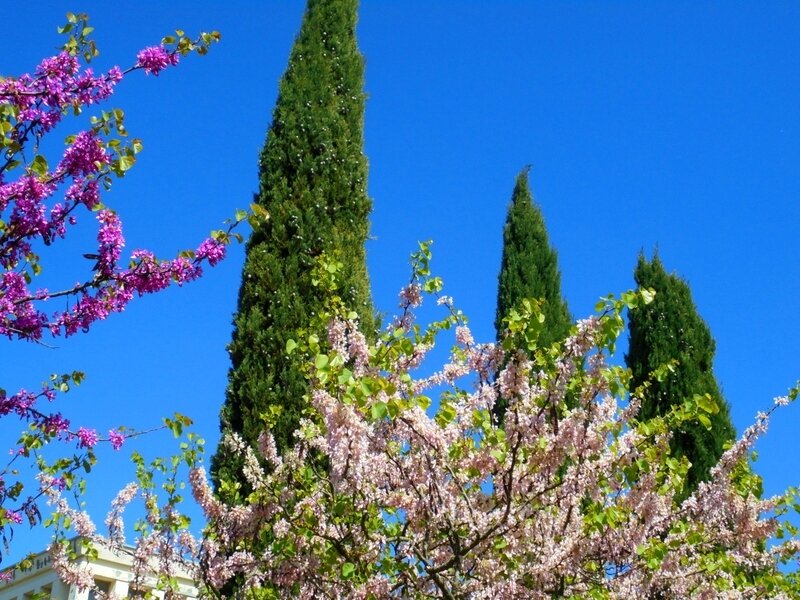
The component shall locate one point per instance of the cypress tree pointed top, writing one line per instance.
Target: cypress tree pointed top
(313, 155)
(671, 329)
(522, 188)
(529, 267)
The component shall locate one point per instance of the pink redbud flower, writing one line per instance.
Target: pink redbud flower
(83, 156)
(116, 438)
(87, 437)
(155, 59)
(212, 250)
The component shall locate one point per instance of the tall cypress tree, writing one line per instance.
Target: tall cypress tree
(670, 329)
(313, 182)
(529, 269)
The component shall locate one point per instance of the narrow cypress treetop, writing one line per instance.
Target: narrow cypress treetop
(529, 267)
(313, 182)
(669, 328)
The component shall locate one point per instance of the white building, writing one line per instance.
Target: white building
(112, 574)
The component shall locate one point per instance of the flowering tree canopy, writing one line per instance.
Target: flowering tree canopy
(389, 493)
(40, 200)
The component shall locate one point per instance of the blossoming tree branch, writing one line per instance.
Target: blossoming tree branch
(40, 200)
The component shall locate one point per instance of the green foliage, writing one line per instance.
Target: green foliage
(313, 181)
(670, 355)
(529, 271)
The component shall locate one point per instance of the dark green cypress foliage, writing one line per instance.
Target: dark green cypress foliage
(313, 182)
(667, 329)
(529, 269)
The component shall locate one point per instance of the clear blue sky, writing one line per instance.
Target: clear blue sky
(674, 124)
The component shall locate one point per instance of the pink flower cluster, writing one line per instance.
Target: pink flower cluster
(211, 250)
(155, 59)
(23, 404)
(114, 522)
(116, 438)
(57, 83)
(111, 241)
(347, 341)
(86, 156)
(86, 437)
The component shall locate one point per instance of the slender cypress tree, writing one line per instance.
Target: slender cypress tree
(529, 269)
(670, 329)
(313, 180)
